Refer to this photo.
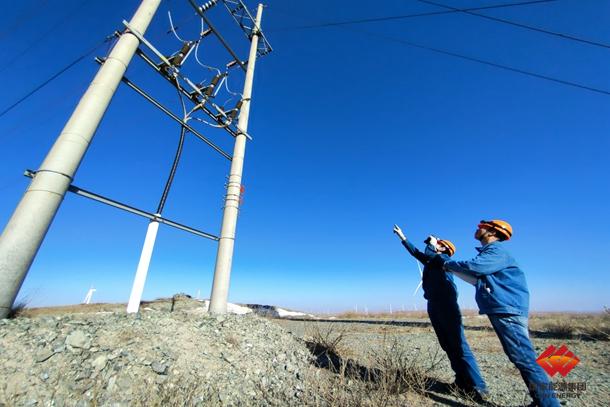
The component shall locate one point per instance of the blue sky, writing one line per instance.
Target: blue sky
(352, 133)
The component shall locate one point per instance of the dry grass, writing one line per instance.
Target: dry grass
(395, 375)
(382, 315)
(399, 369)
(18, 309)
(573, 325)
(332, 390)
(173, 394)
(560, 325)
(71, 309)
(396, 315)
(161, 304)
(328, 336)
(324, 388)
(562, 329)
(597, 327)
(183, 394)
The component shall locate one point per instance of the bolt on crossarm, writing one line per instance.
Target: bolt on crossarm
(224, 256)
(28, 225)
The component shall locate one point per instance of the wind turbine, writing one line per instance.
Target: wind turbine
(87, 299)
(421, 276)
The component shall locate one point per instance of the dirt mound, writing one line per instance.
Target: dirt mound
(156, 358)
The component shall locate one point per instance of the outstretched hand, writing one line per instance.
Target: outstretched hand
(399, 233)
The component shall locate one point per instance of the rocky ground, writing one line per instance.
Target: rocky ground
(159, 358)
(97, 355)
(363, 340)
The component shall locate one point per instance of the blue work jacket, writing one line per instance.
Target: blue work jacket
(438, 286)
(501, 287)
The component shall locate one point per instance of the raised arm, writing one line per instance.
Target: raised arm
(414, 251)
(488, 261)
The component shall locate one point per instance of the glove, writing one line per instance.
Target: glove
(399, 233)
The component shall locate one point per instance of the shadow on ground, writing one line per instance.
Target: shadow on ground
(434, 389)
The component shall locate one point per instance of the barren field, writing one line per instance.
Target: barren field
(174, 353)
(361, 339)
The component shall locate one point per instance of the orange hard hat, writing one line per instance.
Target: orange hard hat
(450, 246)
(503, 227)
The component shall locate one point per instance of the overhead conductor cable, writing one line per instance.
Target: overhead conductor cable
(153, 227)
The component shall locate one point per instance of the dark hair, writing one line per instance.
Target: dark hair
(501, 236)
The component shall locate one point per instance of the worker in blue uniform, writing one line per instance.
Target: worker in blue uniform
(502, 294)
(444, 312)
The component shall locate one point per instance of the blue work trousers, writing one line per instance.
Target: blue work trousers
(447, 323)
(514, 336)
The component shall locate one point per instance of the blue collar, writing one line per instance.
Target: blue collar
(480, 249)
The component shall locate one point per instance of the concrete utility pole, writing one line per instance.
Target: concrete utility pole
(138, 285)
(27, 227)
(224, 256)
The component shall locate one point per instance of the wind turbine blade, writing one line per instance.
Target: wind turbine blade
(421, 273)
(416, 289)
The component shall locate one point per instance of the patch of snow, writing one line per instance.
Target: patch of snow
(231, 308)
(282, 313)
(238, 309)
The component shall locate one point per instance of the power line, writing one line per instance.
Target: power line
(516, 24)
(54, 102)
(488, 63)
(54, 76)
(405, 16)
(15, 58)
(481, 61)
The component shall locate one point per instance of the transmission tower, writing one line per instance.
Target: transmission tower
(31, 219)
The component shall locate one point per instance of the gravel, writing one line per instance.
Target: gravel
(362, 340)
(157, 358)
(188, 357)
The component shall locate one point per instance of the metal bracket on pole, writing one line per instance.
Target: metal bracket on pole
(115, 204)
(170, 114)
(172, 73)
(192, 96)
(148, 44)
(217, 34)
(246, 22)
(170, 66)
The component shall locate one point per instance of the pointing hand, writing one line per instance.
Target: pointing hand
(399, 233)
